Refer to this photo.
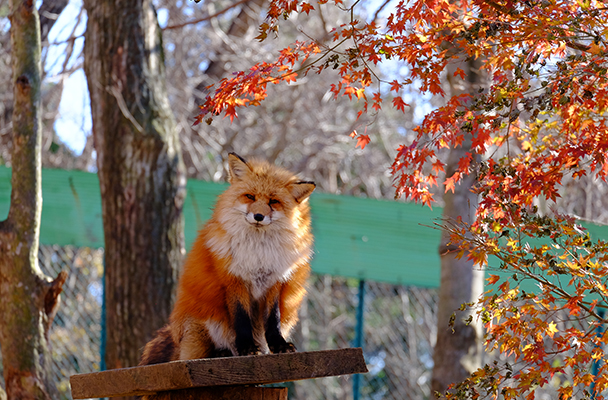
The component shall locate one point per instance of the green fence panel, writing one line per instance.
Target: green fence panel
(379, 240)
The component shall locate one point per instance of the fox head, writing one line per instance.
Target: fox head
(265, 194)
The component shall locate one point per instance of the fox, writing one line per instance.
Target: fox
(245, 276)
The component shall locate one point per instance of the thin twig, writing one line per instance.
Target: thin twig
(379, 10)
(206, 18)
(122, 105)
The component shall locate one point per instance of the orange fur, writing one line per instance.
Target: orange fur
(244, 279)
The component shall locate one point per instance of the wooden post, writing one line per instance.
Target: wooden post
(218, 378)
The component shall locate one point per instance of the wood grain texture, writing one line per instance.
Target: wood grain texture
(249, 370)
(223, 393)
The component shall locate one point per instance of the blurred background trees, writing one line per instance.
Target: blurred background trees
(203, 42)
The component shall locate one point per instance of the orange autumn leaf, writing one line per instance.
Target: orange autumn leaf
(399, 104)
(306, 8)
(492, 279)
(362, 141)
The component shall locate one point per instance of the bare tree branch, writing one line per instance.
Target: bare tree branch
(379, 10)
(49, 12)
(206, 18)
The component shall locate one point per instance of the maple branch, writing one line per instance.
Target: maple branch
(513, 104)
(557, 289)
(354, 37)
(206, 18)
(379, 10)
(577, 46)
(593, 277)
(561, 292)
(312, 63)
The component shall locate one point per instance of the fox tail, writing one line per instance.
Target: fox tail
(160, 349)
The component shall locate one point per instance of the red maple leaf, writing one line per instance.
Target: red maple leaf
(292, 77)
(399, 104)
(377, 101)
(306, 8)
(461, 73)
(395, 86)
(362, 140)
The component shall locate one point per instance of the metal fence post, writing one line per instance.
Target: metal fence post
(595, 370)
(102, 346)
(359, 340)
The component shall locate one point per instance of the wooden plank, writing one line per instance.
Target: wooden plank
(223, 393)
(248, 370)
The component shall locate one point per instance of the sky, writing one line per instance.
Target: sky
(74, 122)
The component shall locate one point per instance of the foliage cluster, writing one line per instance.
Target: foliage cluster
(540, 120)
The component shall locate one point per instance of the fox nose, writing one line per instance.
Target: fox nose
(258, 217)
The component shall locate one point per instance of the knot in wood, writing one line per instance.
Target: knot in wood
(23, 83)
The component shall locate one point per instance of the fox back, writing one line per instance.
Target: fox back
(244, 278)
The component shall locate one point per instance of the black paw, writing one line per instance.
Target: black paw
(249, 350)
(284, 347)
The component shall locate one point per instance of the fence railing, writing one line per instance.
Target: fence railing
(398, 329)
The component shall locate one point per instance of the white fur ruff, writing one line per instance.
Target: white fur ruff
(261, 255)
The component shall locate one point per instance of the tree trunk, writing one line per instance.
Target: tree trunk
(140, 170)
(29, 299)
(458, 349)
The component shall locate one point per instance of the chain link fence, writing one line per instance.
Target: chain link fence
(399, 329)
(75, 337)
(399, 332)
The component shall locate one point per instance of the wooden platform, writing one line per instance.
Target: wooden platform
(217, 372)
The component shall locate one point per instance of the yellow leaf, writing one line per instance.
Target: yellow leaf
(512, 243)
(551, 329)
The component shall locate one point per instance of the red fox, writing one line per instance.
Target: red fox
(244, 279)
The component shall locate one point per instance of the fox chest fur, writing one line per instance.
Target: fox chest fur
(261, 257)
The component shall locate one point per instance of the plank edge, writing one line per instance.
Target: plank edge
(190, 374)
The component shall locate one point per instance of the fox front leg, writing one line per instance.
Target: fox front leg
(244, 342)
(276, 341)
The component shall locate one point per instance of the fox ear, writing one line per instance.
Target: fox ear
(301, 190)
(237, 167)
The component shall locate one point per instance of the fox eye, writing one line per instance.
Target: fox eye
(250, 197)
(273, 201)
